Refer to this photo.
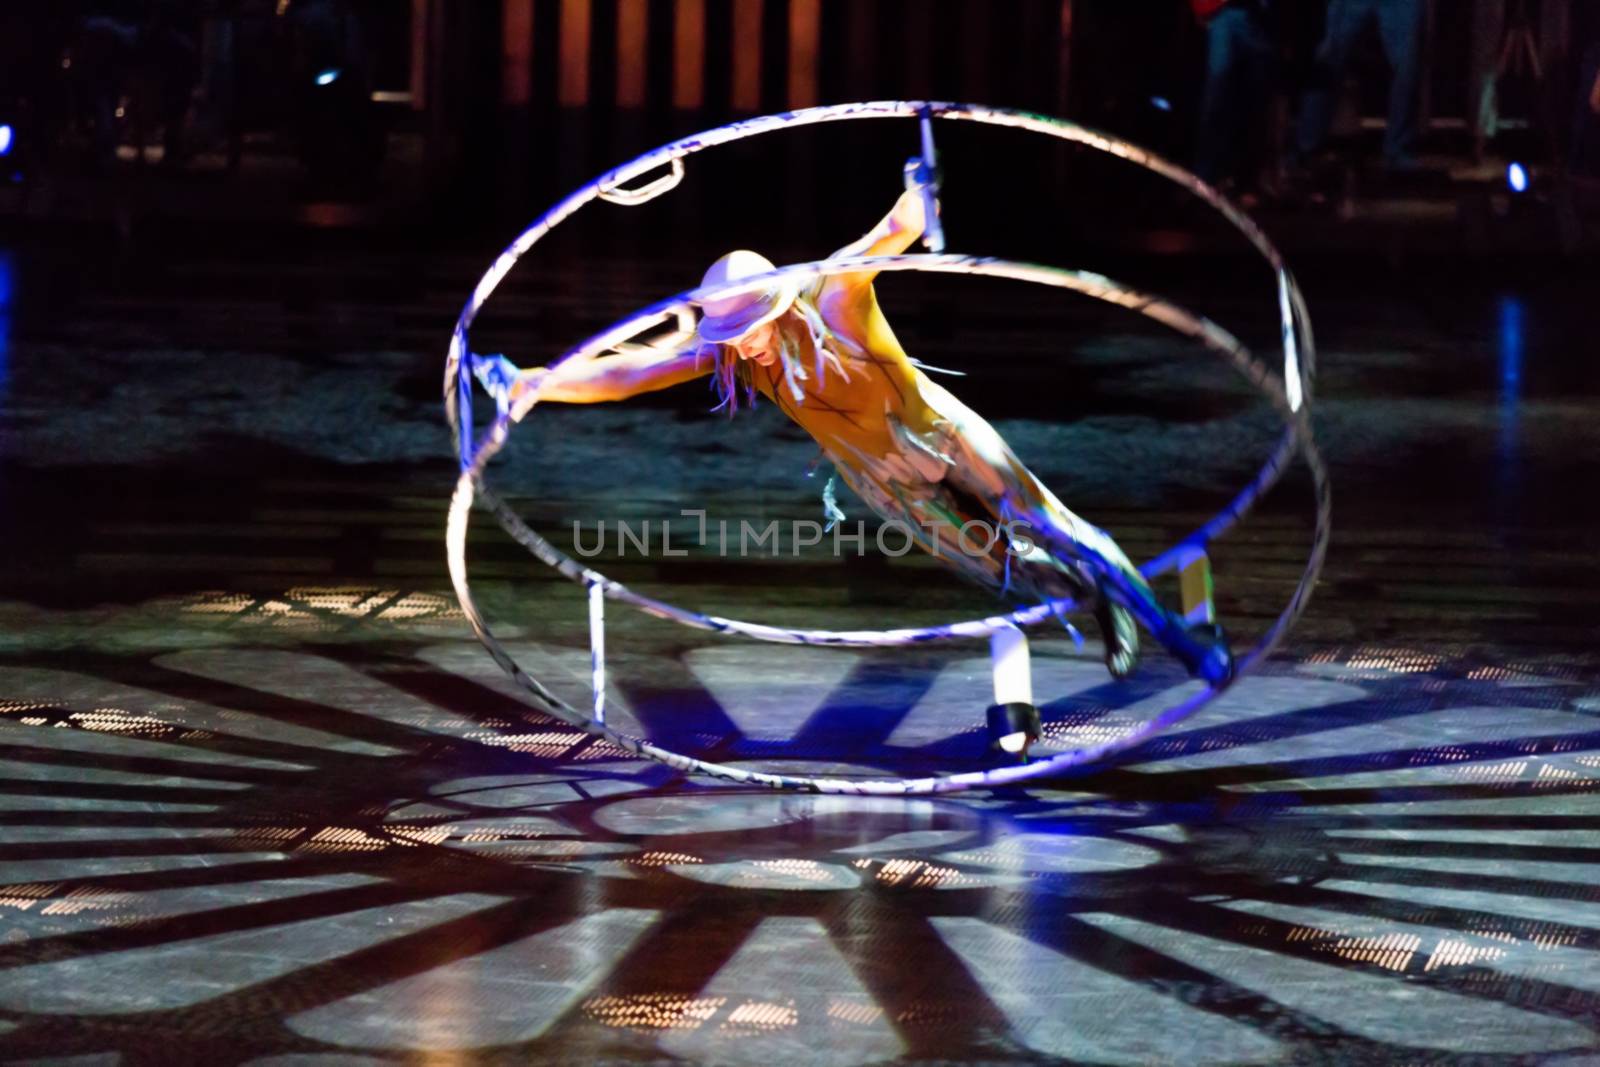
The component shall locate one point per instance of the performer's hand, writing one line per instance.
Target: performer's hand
(495, 373)
(923, 177)
(513, 389)
(919, 175)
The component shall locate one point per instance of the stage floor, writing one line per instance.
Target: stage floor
(263, 799)
(319, 824)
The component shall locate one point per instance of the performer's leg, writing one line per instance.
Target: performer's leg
(983, 465)
(1202, 647)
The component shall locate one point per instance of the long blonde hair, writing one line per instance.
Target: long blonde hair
(798, 328)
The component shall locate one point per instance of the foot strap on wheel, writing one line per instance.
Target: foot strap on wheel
(1013, 727)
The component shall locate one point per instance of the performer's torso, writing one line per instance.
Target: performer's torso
(917, 455)
(853, 416)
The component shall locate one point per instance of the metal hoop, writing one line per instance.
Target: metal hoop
(1290, 394)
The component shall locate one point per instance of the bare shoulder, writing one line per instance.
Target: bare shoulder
(846, 302)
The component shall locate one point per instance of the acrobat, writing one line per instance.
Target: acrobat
(964, 464)
(826, 356)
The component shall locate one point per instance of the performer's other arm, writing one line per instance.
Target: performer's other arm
(894, 233)
(618, 376)
(849, 301)
(627, 372)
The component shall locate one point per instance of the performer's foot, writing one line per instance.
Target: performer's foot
(1203, 649)
(1121, 637)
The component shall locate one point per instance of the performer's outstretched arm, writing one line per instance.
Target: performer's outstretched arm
(618, 375)
(894, 233)
(848, 301)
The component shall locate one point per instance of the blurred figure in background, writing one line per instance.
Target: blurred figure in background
(1399, 25)
(1241, 76)
(145, 49)
(337, 127)
(1586, 116)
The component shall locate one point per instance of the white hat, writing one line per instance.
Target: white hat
(729, 318)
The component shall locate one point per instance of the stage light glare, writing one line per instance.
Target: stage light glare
(8, 137)
(329, 76)
(1161, 103)
(1517, 177)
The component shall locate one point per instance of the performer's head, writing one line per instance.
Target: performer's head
(774, 325)
(746, 325)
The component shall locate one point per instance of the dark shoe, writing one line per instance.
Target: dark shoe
(1121, 637)
(1203, 649)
